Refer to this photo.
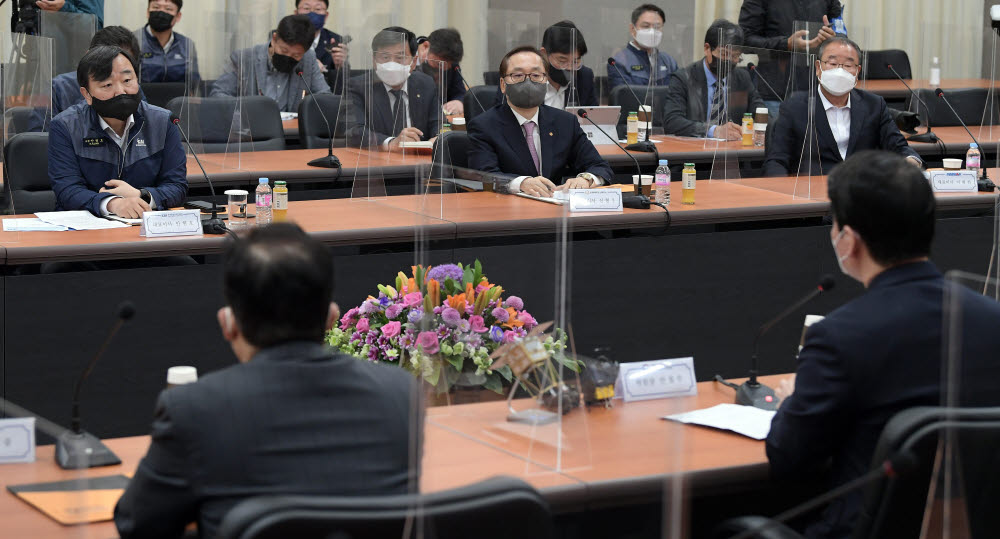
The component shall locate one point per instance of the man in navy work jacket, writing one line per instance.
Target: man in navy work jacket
(166, 54)
(115, 154)
(529, 145)
(882, 352)
(636, 61)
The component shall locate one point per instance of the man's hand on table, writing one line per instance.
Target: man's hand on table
(575, 183)
(785, 389)
(538, 186)
(129, 208)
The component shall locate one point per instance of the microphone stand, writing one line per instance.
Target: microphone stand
(638, 201)
(642, 145)
(985, 185)
(213, 225)
(330, 161)
(756, 71)
(926, 136)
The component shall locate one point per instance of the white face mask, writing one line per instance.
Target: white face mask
(837, 81)
(649, 37)
(840, 259)
(392, 73)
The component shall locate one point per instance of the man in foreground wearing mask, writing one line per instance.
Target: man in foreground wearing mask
(882, 352)
(439, 52)
(331, 51)
(271, 69)
(845, 120)
(638, 61)
(531, 147)
(395, 105)
(115, 154)
(167, 55)
(709, 97)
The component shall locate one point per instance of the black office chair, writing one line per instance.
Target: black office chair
(622, 97)
(313, 131)
(895, 507)
(501, 507)
(486, 96)
(160, 93)
(970, 103)
(877, 61)
(27, 184)
(213, 125)
(491, 78)
(452, 149)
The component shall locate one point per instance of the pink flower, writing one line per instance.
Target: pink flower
(428, 340)
(515, 302)
(529, 321)
(500, 314)
(393, 311)
(509, 337)
(478, 324)
(348, 318)
(451, 316)
(391, 329)
(414, 299)
(362, 325)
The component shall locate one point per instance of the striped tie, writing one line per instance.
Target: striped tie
(716, 117)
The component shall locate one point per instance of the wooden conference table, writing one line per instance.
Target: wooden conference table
(894, 89)
(624, 452)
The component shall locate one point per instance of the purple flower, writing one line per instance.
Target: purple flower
(362, 325)
(391, 329)
(368, 307)
(464, 326)
(477, 324)
(529, 321)
(509, 337)
(428, 340)
(496, 334)
(501, 315)
(438, 309)
(415, 316)
(393, 311)
(451, 316)
(515, 302)
(383, 300)
(446, 271)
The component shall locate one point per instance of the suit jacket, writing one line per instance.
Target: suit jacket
(424, 107)
(296, 419)
(499, 146)
(868, 360)
(247, 71)
(872, 128)
(334, 76)
(685, 109)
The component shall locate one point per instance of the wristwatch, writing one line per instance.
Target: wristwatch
(145, 196)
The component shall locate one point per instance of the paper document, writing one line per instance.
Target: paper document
(289, 116)
(30, 224)
(78, 220)
(558, 197)
(746, 420)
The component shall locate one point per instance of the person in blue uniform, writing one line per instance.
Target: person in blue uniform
(641, 57)
(167, 56)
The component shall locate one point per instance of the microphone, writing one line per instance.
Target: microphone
(330, 161)
(468, 87)
(926, 136)
(753, 68)
(75, 448)
(984, 183)
(752, 392)
(213, 225)
(642, 145)
(639, 200)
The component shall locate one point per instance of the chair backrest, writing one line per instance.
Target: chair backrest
(622, 96)
(491, 78)
(895, 507)
(877, 61)
(970, 104)
(479, 99)
(214, 125)
(24, 119)
(452, 149)
(160, 93)
(313, 130)
(500, 507)
(27, 184)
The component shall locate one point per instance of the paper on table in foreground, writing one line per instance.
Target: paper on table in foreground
(559, 197)
(78, 220)
(746, 420)
(30, 224)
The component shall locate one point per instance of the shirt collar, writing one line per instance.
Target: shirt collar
(169, 41)
(316, 41)
(827, 105)
(404, 87)
(521, 120)
(128, 125)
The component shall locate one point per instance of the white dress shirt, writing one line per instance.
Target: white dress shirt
(840, 122)
(392, 103)
(555, 98)
(121, 141)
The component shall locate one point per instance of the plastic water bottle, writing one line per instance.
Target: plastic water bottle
(973, 159)
(934, 80)
(662, 180)
(263, 199)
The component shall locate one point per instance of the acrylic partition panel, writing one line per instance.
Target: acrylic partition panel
(71, 34)
(506, 30)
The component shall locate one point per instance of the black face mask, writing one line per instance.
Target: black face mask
(160, 21)
(282, 63)
(119, 107)
(558, 76)
(717, 64)
(439, 78)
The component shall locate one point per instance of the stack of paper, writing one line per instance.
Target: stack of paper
(746, 420)
(78, 220)
(30, 224)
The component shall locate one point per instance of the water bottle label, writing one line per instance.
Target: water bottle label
(972, 161)
(263, 200)
(661, 179)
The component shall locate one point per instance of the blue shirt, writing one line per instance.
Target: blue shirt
(710, 80)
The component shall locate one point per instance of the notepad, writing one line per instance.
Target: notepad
(746, 420)
(30, 224)
(78, 501)
(559, 198)
(78, 220)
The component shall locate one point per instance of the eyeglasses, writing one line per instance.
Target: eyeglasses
(560, 63)
(383, 57)
(733, 57)
(833, 64)
(518, 78)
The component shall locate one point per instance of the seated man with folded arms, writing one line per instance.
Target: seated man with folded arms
(533, 147)
(113, 153)
(709, 97)
(271, 69)
(640, 58)
(845, 120)
(881, 353)
(443, 50)
(291, 417)
(401, 105)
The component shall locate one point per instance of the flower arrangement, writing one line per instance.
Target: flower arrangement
(440, 323)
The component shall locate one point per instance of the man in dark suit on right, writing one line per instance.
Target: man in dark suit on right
(845, 120)
(293, 417)
(700, 95)
(882, 352)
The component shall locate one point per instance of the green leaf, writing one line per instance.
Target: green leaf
(456, 361)
(479, 267)
(493, 384)
(467, 276)
(449, 286)
(506, 373)
(567, 362)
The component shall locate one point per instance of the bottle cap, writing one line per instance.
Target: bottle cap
(447, 125)
(280, 182)
(745, 114)
(663, 162)
(973, 146)
(178, 376)
(263, 181)
(762, 110)
(458, 121)
(689, 164)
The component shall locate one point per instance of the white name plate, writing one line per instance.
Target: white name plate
(660, 379)
(160, 224)
(17, 440)
(954, 181)
(595, 135)
(595, 200)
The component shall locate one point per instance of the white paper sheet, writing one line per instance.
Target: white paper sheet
(558, 197)
(78, 220)
(746, 420)
(30, 224)
(289, 116)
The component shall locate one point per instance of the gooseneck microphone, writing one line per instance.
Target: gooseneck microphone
(753, 69)
(213, 225)
(642, 145)
(330, 161)
(468, 88)
(78, 449)
(639, 201)
(927, 136)
(984, 183)
(752, 392)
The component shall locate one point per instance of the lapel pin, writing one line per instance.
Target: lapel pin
(418, 96)
(550, 134)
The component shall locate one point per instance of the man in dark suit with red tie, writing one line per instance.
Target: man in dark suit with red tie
(533, 148)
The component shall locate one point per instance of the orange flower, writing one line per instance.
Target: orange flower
(457, 303)
(512, 322)
(470, 293)
(434, 292)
